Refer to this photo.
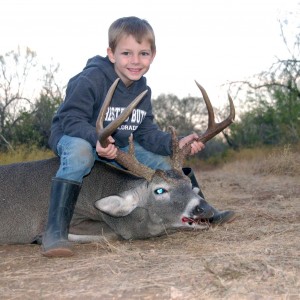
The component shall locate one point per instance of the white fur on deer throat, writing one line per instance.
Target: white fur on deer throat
(187, 214)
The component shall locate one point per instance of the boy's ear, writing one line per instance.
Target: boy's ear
(110, 55)
(153, 56)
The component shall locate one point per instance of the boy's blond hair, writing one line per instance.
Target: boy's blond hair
(138, 28)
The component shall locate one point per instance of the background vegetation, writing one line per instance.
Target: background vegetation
(268, 114)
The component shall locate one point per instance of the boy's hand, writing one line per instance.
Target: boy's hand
(110, 152)
(195, 146)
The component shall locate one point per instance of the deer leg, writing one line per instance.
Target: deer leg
(219, 217)
(190, 174)
(63, 197)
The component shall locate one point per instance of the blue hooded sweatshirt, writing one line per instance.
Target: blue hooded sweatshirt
(85, 95)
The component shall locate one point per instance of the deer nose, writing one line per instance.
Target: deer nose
(203, 210)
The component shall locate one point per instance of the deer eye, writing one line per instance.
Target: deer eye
(160, 191)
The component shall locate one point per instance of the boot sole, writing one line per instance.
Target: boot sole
(58, 252)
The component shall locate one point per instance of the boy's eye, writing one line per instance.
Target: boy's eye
(145, 53)
(125, 53)
(160, 191)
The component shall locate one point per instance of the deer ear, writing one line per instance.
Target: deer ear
(117, 206)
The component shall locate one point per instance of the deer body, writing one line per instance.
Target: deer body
(112, 203)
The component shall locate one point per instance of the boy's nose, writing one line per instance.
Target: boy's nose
(135, 59)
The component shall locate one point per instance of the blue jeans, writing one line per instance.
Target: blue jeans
(77, 158)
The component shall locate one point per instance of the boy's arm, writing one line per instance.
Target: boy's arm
(153, 139)
(195, 144)
(77, 112)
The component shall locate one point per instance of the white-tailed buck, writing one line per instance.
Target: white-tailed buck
(136, 203)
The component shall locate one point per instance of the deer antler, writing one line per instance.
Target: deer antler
(212, 130)
(127, 160)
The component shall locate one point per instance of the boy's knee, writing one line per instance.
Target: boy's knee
(83, 155)
(77, 152)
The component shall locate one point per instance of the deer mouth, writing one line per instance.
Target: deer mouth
(195, 221)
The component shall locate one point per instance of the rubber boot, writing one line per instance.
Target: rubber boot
(63, 197)
(219, 217)
(190, 174)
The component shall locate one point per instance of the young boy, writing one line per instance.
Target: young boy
(73, 135)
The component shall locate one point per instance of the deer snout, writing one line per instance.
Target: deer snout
(203, 210)
(198, 210)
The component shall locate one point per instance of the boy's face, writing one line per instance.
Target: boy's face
(131, 59)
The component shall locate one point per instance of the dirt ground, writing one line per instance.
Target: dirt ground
(255, 257)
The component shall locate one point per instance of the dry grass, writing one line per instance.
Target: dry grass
(256, 257)
(22, 154)
(283, 160)
(279, 162)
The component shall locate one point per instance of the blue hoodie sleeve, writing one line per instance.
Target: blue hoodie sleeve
(77, 114)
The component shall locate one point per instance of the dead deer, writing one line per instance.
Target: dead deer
(134, 203)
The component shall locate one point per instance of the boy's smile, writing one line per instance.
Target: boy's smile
(131, 59)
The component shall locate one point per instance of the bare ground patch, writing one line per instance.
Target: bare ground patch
(255, 257)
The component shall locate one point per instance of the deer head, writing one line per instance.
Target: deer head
(166, 199)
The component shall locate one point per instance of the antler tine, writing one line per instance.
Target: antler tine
(177, 154)
(104, 133)
(102, 136)
(214, 128)
(127, 160)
